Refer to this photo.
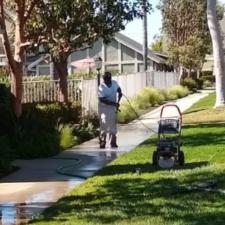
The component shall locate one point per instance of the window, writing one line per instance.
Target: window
(111, 51)
(128, 68)
(140, 67)
(127, 53)
(114, 69)
(139, 57)
(43, 70)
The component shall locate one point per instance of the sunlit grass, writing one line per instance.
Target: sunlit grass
(203, 112)
(117, 195)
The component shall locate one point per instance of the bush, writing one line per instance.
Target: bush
(149, 97)
(155, 96)
(177, 91)
(210, 78)
(165, 94)
(43, 144)
(199, 83)
(7, 155)
(60, 112)
(190, 84)
(207, 83)
(66, 137)
(127, 112)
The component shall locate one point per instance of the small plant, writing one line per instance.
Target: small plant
(66, 137)
(207, 83)
(190, 84)
(164, 94)
(155, 96)
(149, 97)
(127, 112)
(177, 91)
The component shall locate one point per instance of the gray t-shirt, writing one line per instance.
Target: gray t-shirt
(110, 93)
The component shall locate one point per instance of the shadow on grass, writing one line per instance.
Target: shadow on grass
(194, 111)
(126, 199)
(210, 134)
(144, 168)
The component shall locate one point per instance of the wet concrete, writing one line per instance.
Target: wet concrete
(41, 182)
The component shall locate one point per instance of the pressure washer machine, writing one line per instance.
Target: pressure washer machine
(168, 152)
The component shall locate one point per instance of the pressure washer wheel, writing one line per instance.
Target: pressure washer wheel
(181, 158)
(155, 158)
(166, 162)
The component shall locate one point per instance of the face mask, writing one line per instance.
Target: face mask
(107, 81)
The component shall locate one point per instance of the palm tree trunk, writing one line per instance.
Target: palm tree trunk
(218, 55)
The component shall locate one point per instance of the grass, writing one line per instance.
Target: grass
(117, 195)
(203, 112)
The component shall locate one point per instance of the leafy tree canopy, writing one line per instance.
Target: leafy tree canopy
(186, 29)
(157, 44)
(71, 25)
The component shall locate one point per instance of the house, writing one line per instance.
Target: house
(121, 55)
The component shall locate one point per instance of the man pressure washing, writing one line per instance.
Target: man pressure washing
(109, 93)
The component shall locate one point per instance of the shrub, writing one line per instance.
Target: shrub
(190, 84)
(208, 78)
(86, 129)
(60, 112)
(177, 91)
(66, 137)
(155, 96)
(127, 112)
(199, 83)
(165, 94)
(7, 155)
(207, 83)
(149, 97)
(43, 144)
(141, 101)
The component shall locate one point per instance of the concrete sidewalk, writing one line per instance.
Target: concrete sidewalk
(40, 182)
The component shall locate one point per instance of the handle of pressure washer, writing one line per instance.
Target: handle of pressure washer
(171, 105)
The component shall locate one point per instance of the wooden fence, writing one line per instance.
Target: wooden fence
(85, 91)
(48, 91)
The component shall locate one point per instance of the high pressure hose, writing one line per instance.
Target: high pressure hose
(138, 116)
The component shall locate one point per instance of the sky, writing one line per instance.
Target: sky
(134, 29)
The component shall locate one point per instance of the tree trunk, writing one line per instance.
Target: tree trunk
(181, 74)
(16, 67)
(17, 89)
(62, 71)
(189, 73)
(218, 55)
(145, 37)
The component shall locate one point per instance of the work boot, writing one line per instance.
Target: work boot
(102, 140)
(102, 145)
(113, 141)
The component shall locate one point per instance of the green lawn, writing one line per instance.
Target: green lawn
(203, 112)
(118, 195)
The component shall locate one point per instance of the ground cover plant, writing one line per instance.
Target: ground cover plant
(146, 100)
(119, 195)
